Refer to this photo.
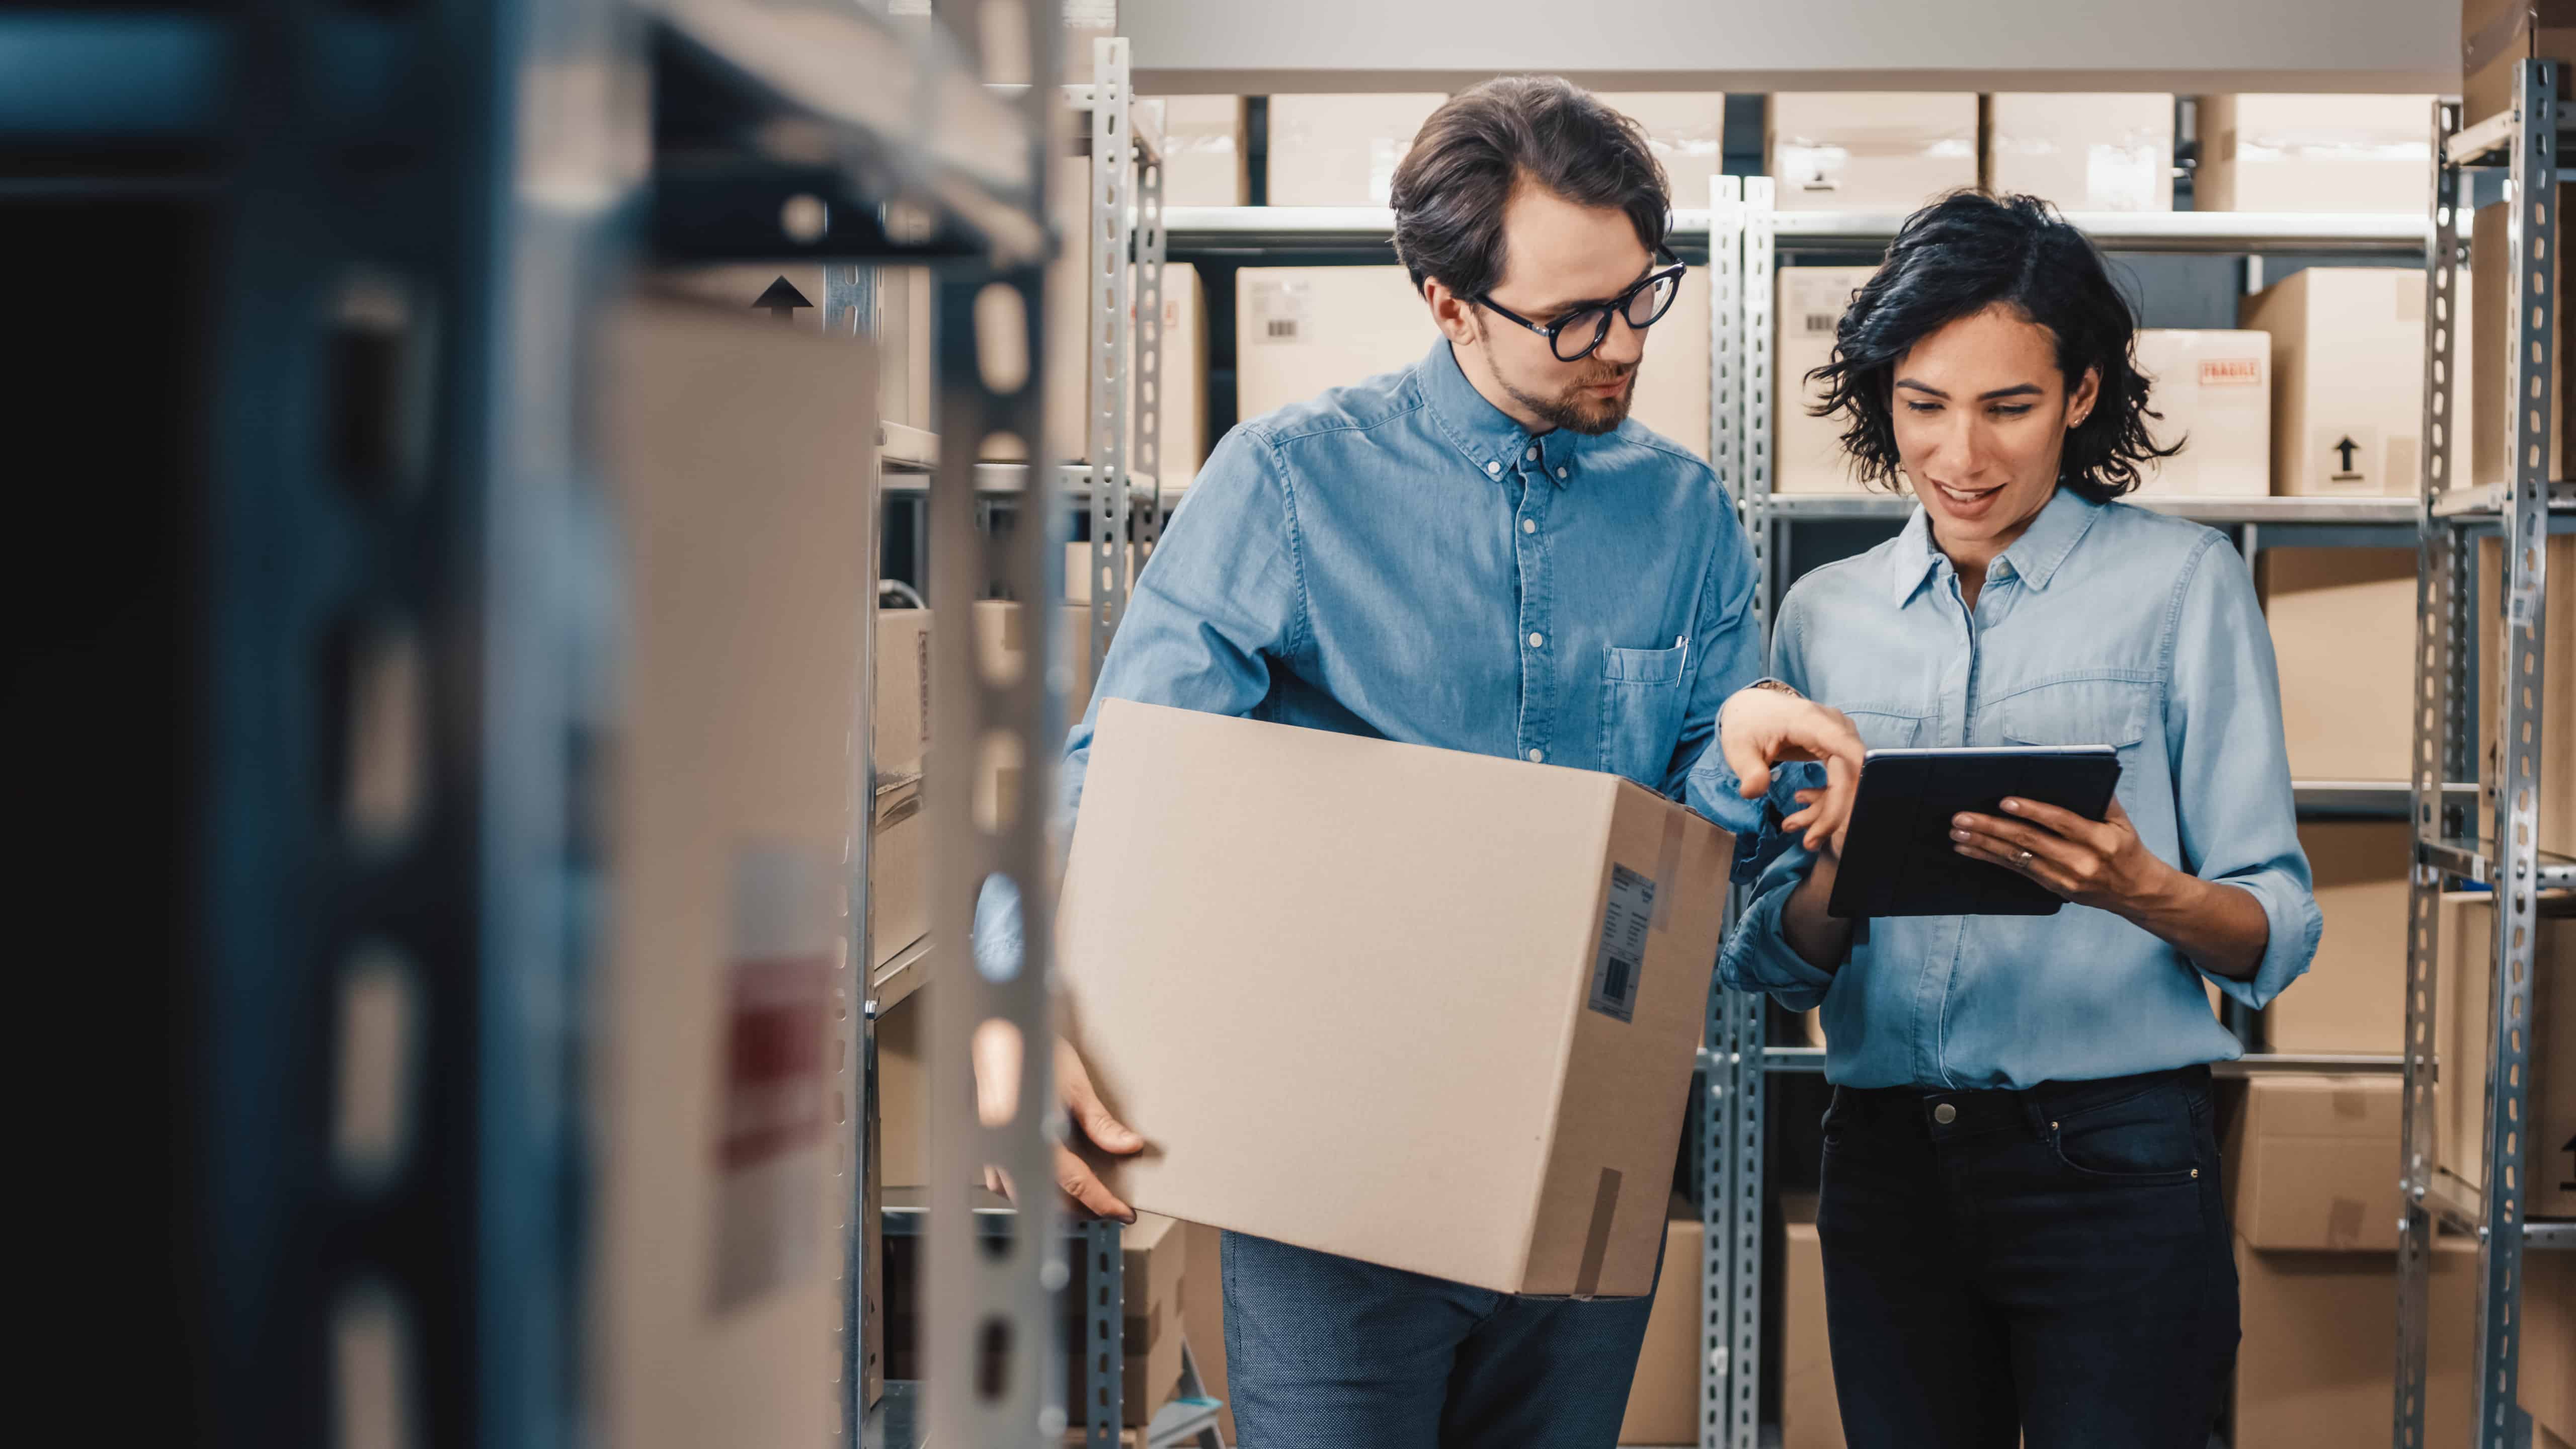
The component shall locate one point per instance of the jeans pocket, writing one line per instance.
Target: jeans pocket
(2147, 1140)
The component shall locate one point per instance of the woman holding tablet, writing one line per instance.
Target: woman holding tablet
(2022, 1225)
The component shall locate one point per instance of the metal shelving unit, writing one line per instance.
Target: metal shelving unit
(2522, 143)
(962, 498)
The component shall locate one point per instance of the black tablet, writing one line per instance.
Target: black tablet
(1898, 858)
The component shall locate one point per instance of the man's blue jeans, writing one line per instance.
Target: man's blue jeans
(1328, 1353)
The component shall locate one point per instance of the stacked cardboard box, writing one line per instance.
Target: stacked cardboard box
(1871, 150)
(902, 699)
(2311, 1163)
(1514, 1148)
(738, 464)
(1154, 1271)
(1179, 384)
(1342, 150)
(1203, 1318)
(1663, 1397)
(2496, 36)
(1810, 1418)
(2353, 997)
(2315, 153)
(2083, 152)
(2214, 389)
(1304, 330)
(2343, 637)
(1205, 158)
(1807, 451)
(2464, 1039)
(2315, 1367)
(2557, 702)
(1685, 129)
(2348, 379)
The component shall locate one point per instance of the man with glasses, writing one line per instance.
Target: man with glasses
(1481, 552)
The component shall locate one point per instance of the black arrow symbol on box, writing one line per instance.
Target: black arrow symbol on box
(2347, 447)
(782, 299)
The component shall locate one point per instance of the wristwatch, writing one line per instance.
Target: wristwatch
(1773, 684)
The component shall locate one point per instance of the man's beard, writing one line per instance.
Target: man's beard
(1577, 409)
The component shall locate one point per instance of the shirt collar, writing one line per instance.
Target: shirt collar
(2033, 558)
(1484, 434)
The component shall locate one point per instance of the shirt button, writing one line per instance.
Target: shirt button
(1532, 453)
(1560, 472)
(1945, 1114)
(1529, 525)
(1538, 641)
(1493, 469)
(1538, 756)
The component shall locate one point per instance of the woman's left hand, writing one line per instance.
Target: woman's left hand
(2092, 863)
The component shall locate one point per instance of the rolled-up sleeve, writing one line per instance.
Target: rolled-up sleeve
(1729, 644)
(1758, 956)
(2237, 815)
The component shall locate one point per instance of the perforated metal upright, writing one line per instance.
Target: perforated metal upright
(2507, 859)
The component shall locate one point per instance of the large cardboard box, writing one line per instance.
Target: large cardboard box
(2489, 348)
(1685, 129)
(902, 704)
(1205, 159)
(907, 314)
(2214, 389)
(1810, 1416)
(2548, 1370)
(2315, 153)
(739, 468)
(1870, 150)
(1663, 1398)
(2311, 1163)
(2496, 35)
(1556, 924)
(1203, 1317)
(1000, 643)
(2463, 1037)
(1154, 1254)
(2353, 997)
(1342, 150)
(2343, 636)
(1180, 383)
(2083, 152)
(1807, 451)
(2557, 685)
(903, 1099)
(2347, 380)
(898, 873)
(2316, 1368)
(1301, 330)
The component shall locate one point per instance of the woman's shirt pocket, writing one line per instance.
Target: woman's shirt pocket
(1643, 694)
(1888, 727)
(2099, 710)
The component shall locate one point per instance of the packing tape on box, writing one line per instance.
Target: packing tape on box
(1668, 864)
(1596, 1236)
(2344, 1219)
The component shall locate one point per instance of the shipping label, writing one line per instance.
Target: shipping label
(1621, 957)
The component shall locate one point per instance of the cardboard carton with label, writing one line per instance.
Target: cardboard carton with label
(1480, 984)
(2348, 379)
(2214, 389)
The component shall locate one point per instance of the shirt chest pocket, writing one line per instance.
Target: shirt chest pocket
(2081, 712)
(1888, 729)
(1643, 692)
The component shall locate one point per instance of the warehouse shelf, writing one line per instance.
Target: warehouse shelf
(2214, 511)
(899, 1420)
(2449, 638)
(2489, 501)
(1011, 481)
(1144, 120)
(2253, 232)
(900, 976)
(2375, 799)
(2252, 1064)
(1278, 233)
(2477, 861)
(907, 449)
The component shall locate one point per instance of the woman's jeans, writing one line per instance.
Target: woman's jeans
(2050, 1265)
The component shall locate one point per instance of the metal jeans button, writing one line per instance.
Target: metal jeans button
(1945, 1114)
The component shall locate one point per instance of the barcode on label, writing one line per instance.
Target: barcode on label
(1619, 962)
(1822, 324)
(1282, 329)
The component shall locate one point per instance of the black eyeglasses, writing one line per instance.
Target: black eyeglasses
(1586, 327)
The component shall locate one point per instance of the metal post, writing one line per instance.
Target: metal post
(1113, 176)
(1150, 246)
(1760, 289)
(1104, 1311)
(2435, 694)
(850, 310)
(1719, 1081)
(2532, 237)
(992, 1362)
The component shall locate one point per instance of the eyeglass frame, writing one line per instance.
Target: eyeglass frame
(1614, 307)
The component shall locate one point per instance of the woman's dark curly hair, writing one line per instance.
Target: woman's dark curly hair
(1957, 257)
